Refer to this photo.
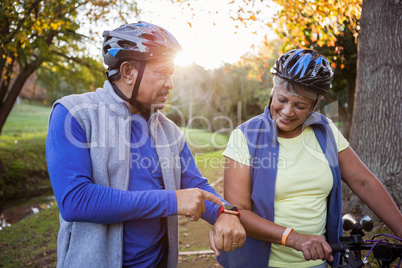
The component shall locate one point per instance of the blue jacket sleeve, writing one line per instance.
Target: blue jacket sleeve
(79, 198)
(192, 178)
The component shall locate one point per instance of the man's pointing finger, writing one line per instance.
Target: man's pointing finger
(210, 197)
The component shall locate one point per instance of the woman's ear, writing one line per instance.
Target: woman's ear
(320, 98)
(128, 73)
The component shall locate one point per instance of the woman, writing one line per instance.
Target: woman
(284, 170)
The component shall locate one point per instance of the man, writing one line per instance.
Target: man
(121, 171)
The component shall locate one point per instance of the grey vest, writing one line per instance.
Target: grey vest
(105, 119)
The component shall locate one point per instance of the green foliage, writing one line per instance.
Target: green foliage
(73, 79)
(28, 26)
(48, 28)
(237, 93)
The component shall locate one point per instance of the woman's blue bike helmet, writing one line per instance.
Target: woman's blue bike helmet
(306, 68)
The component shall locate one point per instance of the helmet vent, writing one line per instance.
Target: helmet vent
(316, 69)
(287, 61)
(126, 44)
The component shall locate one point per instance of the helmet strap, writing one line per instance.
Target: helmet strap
(132, 101)
(118, 92)
(269, 105)
(270, 101)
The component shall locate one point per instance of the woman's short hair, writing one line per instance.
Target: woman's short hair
(294, 89)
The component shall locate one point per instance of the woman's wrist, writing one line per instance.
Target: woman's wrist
(290, 240)
(285, 235)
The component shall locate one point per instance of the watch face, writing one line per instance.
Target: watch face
(231, 208)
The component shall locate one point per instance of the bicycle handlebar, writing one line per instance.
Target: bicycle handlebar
(337, 247)
(348, 255)
(351, 246)
(383, 251)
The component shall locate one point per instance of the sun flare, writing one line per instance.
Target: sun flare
(184, 58)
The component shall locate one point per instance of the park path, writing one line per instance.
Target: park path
(193, 240)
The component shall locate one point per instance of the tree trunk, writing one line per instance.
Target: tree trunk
(377, 115)
(347, 125)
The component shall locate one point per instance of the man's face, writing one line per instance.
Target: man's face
(155, 85)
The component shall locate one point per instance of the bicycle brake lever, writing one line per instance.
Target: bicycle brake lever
(352, 262)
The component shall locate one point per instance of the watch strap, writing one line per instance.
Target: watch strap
(222, 209)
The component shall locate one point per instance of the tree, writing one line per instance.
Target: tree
(34, 32)
(60, 80)
(376, 130)
(331, 28)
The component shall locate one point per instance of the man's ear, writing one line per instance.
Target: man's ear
(128, 73)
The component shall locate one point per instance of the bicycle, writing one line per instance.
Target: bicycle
(351, 246)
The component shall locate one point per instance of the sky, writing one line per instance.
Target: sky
(211, 39)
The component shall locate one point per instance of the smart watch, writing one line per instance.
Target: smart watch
(229, 209)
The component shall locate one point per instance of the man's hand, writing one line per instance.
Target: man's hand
(190, 202)
(227, 234)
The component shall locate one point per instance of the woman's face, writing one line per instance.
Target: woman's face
(289, 111)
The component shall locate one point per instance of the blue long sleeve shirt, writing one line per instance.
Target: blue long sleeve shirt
(142, 208)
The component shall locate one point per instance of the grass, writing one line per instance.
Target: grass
(22, 150)
(211, 165)
(26, 119)
(201, 141)
(31, 242)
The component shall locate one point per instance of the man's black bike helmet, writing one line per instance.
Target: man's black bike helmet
(306, 68)
(139, 42)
